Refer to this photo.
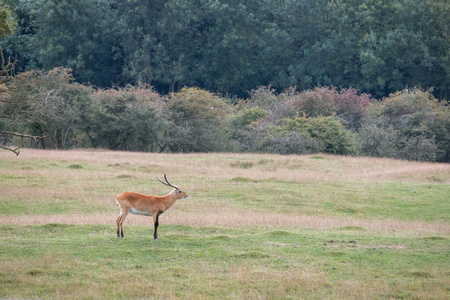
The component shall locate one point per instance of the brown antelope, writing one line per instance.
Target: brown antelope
(146, 205)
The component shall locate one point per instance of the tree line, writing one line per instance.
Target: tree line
(279, 76)
(232, 47)
(409, 124)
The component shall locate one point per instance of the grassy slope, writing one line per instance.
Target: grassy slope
(238, 234)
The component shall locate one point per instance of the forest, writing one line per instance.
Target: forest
(346, 77)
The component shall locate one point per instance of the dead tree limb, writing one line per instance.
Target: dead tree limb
(16, 151)
(35, 138)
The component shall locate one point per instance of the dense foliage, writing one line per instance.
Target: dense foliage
(336, 76)
(232, 47)
(410, 124)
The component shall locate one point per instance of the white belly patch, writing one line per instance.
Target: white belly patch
(138, 212)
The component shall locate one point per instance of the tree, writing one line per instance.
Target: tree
(8, 112)
(232, 47)
(47, 105)
(437, 31)
(78, 34)
(7, 23)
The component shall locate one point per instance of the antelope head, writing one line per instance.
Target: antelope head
(177, 190)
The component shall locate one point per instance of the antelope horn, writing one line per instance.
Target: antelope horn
(172, 185)
(161, 181)
(167, 182)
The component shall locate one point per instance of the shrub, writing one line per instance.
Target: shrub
(334, 136)
(293, 143)
(351, 107)
(315, 103)
(263, 97)
(348, 104)
(47, 104)
(311, 135)
(240, 129)
(125, 119)
(197, 121)
(423, 124)
(377, 141)
(248, 116)
(419, 147)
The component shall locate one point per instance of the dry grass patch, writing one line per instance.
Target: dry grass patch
(257, 166)
(228, 189)
(233, 219)
(261, 282)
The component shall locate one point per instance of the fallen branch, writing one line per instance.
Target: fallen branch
(16, 151)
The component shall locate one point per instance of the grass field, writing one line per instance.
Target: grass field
(253, 227)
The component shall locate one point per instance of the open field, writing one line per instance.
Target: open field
(254, 226)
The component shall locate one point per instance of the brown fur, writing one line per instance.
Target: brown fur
(154, 205)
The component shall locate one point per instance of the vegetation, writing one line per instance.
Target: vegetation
(283, 77)
(253, 226)
(318, 78)
(66, 261)
(409, 125)
(232, 47)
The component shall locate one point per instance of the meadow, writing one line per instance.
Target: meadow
(255, 226)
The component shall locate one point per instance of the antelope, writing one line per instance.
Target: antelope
(147, 205)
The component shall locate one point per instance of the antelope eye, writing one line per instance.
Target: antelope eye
(179, 192)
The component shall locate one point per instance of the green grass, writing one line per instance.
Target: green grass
(352, 198)
(389, 237)
(74, 261)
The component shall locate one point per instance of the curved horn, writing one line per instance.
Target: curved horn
(172, 185)
(167, 182)
(161, 181)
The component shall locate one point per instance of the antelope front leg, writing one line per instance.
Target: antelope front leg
(156, 224)
(118, 226)
(120, 223)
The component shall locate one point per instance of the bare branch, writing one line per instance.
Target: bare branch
(16, 151)
(22, 135)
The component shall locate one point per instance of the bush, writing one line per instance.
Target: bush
(274, 124)
(334, 136)
(423, 124)
(125, 119)
(197, 121)
(315, 103)
(377, 141)
(407, 125)
(348, 105)
(351, 107)
(249, 116)
(310, 135)
(241, 127)
(293, 143)
(47, 104)
(419, 147)
(263, 97)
